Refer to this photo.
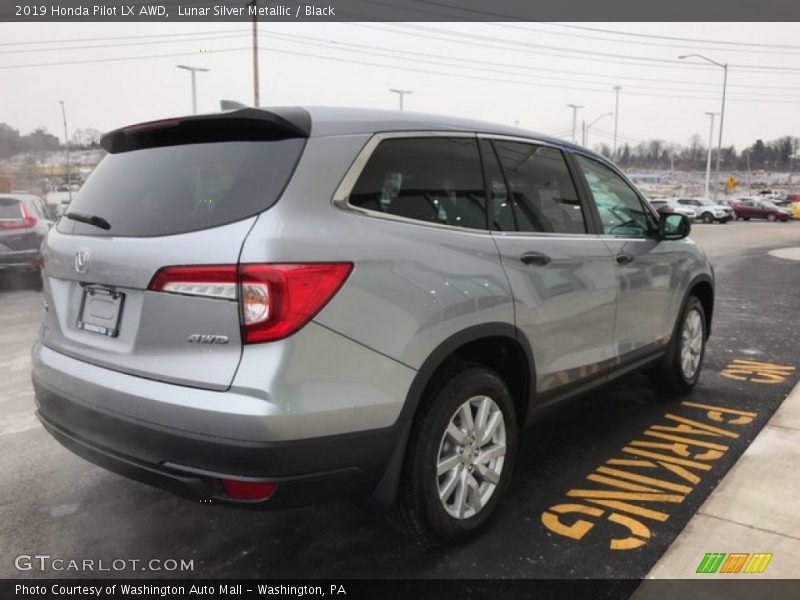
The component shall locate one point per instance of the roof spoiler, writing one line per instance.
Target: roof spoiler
(240, 125)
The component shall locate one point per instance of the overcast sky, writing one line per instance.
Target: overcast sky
(299, 65)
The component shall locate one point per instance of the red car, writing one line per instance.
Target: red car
(748, 208)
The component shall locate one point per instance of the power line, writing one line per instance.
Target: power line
(116, 59)
(119, 37)
(645, 43)
(673, 38)
(341, 46)
(150, 43)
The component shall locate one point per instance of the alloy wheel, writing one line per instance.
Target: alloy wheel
(691, 343)
(471, 457)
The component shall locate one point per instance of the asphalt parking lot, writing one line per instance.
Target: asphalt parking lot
(601, 488)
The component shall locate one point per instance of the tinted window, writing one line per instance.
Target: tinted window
(621, 210)
(502, 214)
(435, 180)
(175, 189)
(543, 197)
(10, 209)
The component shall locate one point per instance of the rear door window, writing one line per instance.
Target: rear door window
(543, 197)
(428, 179)
(177, 189)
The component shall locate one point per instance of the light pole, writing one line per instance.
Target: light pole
(710, 144)
(400, 94)
(589, 126)
(724, 67)
(574, 108)
(256, 90)
(747, 158)
(617, 88)
(66, 148)
(193, 71)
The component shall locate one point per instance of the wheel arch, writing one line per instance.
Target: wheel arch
(499, 346)
(702, 286)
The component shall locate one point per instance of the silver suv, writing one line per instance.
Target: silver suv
(269, 307)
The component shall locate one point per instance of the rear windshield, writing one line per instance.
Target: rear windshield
(10, 210)
(177, 189)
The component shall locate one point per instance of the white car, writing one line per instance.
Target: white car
(707, 210)
(662, 205)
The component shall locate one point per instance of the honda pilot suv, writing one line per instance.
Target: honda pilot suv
(270, 307)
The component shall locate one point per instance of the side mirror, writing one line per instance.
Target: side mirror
(673, 226)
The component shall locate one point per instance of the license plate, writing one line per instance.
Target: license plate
(100, 311)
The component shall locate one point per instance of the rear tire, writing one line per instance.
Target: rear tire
(680, 369)
(454, 475)
(771, 217)
(707, 218)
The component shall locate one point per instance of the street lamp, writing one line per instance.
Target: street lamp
(724, 67)
(400, 94)
(710, 144)
(66, 149)
(193, 71)
(617, 88)
(574, 108)
(587, 127)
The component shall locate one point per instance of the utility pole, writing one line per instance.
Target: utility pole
(617, 88)
(256, 90)
(574, 108)
(400, 94)
(66, 148)
(747, 158)
(193, 71)
(724, 67)
(710, 145)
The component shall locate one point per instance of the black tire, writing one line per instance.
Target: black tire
(771, 217)
(746, 218)
(418, 511)
(669, 375)
(707, 218)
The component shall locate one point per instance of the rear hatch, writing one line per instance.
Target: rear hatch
(170, 193)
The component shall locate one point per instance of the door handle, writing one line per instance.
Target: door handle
(535, 258)
(625, 258)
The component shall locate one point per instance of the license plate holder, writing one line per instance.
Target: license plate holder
(100, 312)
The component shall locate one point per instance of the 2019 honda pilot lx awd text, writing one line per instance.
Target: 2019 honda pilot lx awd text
(269, 307)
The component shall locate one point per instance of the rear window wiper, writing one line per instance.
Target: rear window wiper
(90, 219)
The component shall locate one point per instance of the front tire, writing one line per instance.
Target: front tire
(707, 218)
(771, 217)
(679, 371)
(460, 457)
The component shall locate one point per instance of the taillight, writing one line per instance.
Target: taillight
(26, 221)
(275, 300)
(212, 281)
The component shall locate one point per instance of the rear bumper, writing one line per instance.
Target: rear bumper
(306, 471)
(20, 259)
(187, 439)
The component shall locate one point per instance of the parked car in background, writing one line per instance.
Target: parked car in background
(271, 307)
(665, 206)
(708, 211)
(794, 209)
(775, 196)
(24, 221)
(750, 208)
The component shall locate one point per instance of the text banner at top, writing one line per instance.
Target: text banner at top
(396, 10)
